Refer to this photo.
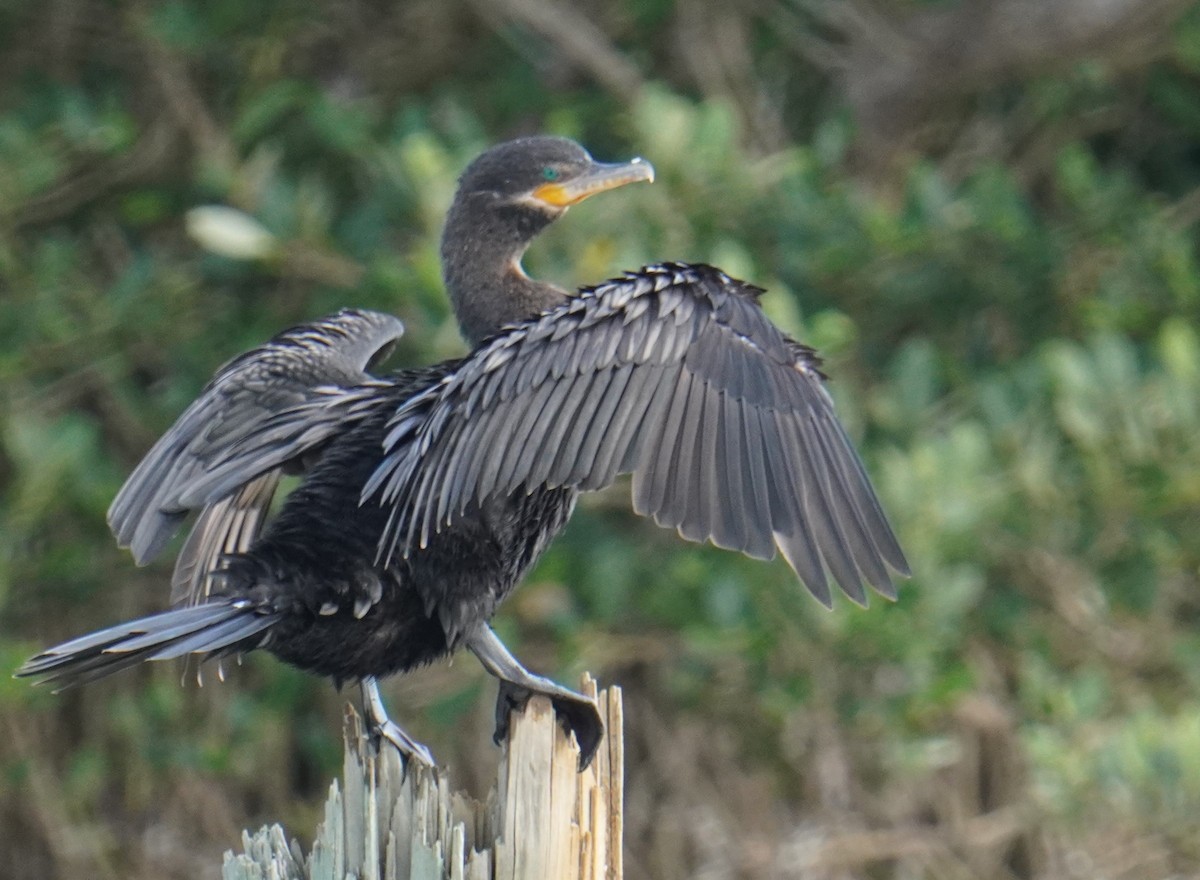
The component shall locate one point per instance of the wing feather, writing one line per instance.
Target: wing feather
(669, 460)
(826, 529)
(866, 501)
(642, 448)
(223, 527)
(727, 506)
(684, 504)
(579, 398)
(593, 458)
(754, 471)
(537, 427)
(851, 519)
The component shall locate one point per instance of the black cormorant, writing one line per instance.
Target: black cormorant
(427, 494)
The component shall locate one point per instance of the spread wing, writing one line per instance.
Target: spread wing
(307, 361)
(675, 375)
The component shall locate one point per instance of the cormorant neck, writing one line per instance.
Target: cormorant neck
(482, 246)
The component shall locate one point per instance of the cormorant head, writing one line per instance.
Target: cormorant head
(544, 174)
(505, 197)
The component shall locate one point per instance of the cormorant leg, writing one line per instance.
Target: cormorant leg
(380, 725)
(517, 684)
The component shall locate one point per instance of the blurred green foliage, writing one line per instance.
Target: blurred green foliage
(1015, 347)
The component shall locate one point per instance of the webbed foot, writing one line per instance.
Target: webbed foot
(578, 713)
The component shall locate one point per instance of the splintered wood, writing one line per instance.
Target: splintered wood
(543, 820)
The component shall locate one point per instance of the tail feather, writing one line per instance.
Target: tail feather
(211, 640)
(133, 634)
(214, 628)
(89, 669)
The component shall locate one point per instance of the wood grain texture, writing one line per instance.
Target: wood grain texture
(385, 821)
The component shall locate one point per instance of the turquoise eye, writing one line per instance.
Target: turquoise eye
(550, 173)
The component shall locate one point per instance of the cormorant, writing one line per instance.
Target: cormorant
(427, 494)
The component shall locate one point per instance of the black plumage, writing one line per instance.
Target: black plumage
(428, 494)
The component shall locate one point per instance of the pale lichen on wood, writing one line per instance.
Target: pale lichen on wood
(542, 819)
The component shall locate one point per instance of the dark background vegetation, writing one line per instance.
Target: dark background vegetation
(983, 213)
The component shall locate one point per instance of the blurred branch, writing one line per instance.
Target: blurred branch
(1024, 139)
(1186, 211)
(185, 104)
(78, 853)
(92, 179)
(858, 849)
(153, 152)
(899, 72)
(716, 46)
(794, 31)
(579, 41)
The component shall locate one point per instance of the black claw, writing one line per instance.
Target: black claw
(583, 719)
(580, 717)
(510, 697)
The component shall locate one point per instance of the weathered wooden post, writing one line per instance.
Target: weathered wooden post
(543, 820)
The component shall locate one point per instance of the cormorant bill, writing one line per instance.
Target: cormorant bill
(428, 494)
